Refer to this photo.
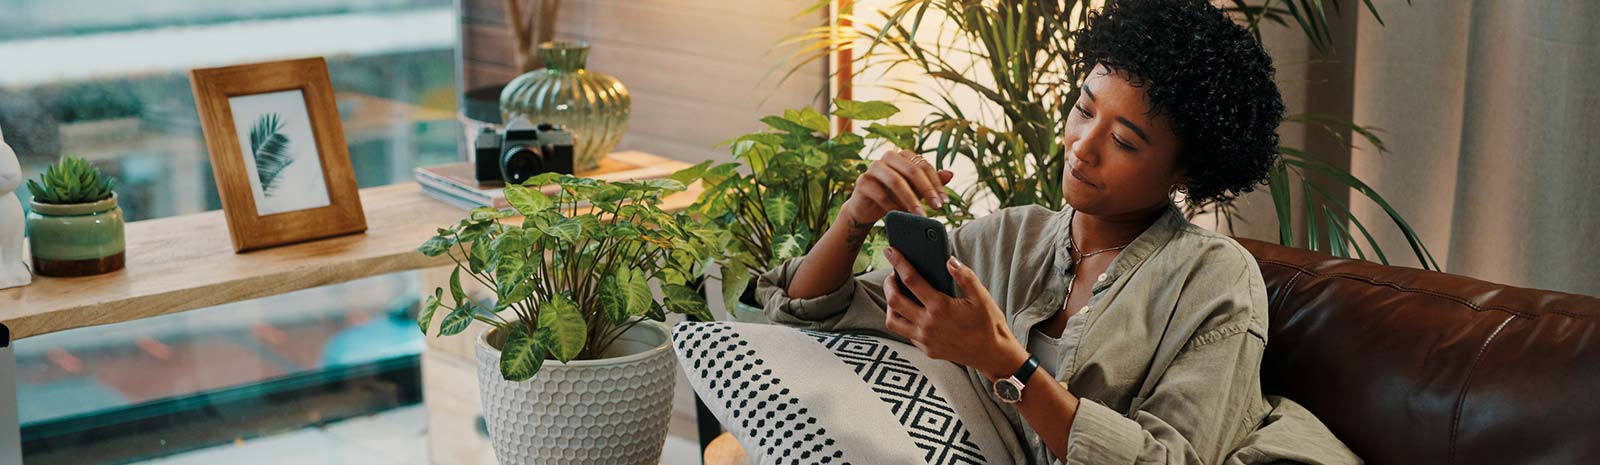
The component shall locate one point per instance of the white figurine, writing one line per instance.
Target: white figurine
(13, 270)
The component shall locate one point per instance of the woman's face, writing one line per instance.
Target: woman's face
(1119, 159)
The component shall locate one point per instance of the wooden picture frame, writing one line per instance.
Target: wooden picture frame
(277, 152)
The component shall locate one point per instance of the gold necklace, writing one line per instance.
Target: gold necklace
(1082, 257)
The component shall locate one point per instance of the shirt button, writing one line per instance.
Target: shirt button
(1085, 309)
(1102, 277)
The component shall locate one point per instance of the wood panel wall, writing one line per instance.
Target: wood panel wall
(700, 71)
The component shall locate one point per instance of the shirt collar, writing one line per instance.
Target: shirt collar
(1148, 242)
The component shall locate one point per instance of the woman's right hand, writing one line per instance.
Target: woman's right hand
(897, 181)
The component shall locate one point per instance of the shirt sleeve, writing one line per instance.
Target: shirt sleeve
(1202, 406)
(857, 305)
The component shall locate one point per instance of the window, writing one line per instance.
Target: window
(107, 81)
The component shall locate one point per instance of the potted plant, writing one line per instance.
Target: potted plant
(571, 283)
(794, 180)
(74, 224)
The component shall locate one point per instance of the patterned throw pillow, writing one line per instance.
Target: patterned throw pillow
(804, 397)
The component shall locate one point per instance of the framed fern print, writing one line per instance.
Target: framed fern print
(277, 152)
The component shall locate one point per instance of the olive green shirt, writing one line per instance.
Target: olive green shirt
(1166, 356)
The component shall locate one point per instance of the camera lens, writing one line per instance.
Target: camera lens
(933, 236)
(520, 163)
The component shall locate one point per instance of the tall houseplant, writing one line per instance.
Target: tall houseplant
(1011, 55)
(571, 284)
(786, 188)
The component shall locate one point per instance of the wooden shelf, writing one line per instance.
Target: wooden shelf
(187, 262)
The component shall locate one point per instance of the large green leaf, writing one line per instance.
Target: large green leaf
(436, 246)
(527, 201)
(871, 110)
(781, 124)
(668, 185)
(681, 299)
(514, 293)
(568, 332)
(813, 157)
(612, 300)
(903, 137)
(635, 286)
(425, 318)
(691, 174)
(719, 174)
(478, 257)
(787, 246)
(457, 295)
(758, 156)
(809, 118)
(624, 295)
(566, 229)
(781, 209)
(458, 319)
(521, 356)
(735, 277)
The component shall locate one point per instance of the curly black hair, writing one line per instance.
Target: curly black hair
(1207, 74)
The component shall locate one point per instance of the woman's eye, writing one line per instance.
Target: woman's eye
(1082, 111)
(1120, 143)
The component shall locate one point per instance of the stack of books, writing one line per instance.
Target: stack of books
(456, 184)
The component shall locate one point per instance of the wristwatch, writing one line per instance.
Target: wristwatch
(1009, 390)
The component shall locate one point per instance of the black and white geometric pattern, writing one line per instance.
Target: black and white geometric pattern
(928, 418)
(783, 428)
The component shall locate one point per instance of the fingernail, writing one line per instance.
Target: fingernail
(938, 201)
(943, 199)
(957, 262)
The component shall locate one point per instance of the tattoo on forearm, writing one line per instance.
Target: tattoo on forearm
(856, 234)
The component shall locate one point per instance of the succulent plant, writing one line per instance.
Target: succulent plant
(69, 181)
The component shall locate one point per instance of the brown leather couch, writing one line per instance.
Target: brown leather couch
(1417, 367)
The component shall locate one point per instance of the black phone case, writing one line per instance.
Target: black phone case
(924, 244)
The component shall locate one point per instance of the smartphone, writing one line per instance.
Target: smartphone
(924, 244)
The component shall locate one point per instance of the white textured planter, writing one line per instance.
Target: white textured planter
(611, 411)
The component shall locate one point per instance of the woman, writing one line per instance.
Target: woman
(1115, 330)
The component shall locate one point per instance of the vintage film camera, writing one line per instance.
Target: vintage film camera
(515, 154)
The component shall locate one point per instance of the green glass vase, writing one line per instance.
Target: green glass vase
(593, 106)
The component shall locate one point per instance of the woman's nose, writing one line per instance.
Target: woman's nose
(1085, 145)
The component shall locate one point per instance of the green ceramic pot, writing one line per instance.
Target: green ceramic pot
(594, 106)
(78, 239)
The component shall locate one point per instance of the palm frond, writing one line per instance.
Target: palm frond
(271, 150)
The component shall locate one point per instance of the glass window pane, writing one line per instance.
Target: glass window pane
(108, 81)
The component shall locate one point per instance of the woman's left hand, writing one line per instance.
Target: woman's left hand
(968, 330)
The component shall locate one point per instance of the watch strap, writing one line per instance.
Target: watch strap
(1026, 370)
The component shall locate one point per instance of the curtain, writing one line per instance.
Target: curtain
(1489, 112)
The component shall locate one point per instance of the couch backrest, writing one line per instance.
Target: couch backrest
(1410, 366)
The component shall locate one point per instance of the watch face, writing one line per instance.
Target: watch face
(1008, 390)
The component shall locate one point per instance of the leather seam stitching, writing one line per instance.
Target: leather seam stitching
(1461, 399)
(1287, 288)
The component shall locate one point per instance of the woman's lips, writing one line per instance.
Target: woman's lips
(1080, 178)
